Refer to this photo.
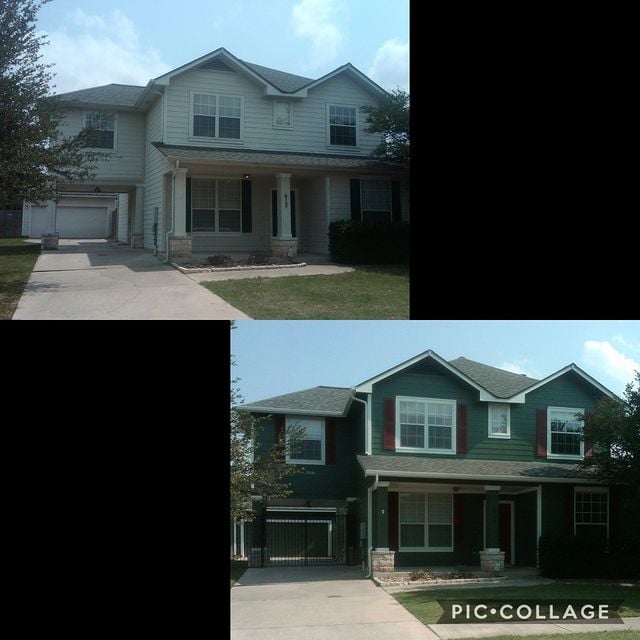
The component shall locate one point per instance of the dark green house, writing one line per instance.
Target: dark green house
(434, 463)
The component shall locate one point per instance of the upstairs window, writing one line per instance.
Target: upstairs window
(564, 433)
(309, 449)
(101, 130)
(216, 116)
(499, 421)
(425, 425)
(342, 126)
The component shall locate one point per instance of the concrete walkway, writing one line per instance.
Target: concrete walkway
(101, 280)
(309, 270)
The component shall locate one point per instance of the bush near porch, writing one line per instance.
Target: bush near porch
(355, 242)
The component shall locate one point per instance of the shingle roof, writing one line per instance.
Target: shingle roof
(121, 95)
(472, 469)
(287, 82)
(330, 401)
(499, 382)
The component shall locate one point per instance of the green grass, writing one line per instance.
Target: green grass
(369, 293)
(628, 634)
(17, 260)
(238, 567)
(423, 605)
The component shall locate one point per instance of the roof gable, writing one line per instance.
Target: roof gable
(501, 383)
(354, 73)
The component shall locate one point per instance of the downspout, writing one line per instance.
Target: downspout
(173, 215)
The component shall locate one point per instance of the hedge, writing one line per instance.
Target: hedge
(354, 242)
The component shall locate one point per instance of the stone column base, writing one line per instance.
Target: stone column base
(137, 241)
(383, 562)
(284, 248)
(50, 241)
(492, 561)
(180, 246)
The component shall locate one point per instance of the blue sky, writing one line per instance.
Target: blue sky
(99, 42)
(284, 356)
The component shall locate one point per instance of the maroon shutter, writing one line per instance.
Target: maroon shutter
(280, 435)
(568, 511)
(541, 433)
(458, 521)
(393, 520)
(330, 426)
(461, 429)
(390, 424)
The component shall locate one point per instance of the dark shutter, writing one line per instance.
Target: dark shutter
(458, 521)
(396, 206)
(247, 223)
(280, 434)
(330, 440)
(356, 213)
(568, 511)
(461, 429)
(294, 230)
(541, 433)
(390, 424)
(274, 213)
(188, 212)
(393, 520)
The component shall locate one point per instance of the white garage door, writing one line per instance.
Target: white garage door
(82, 222)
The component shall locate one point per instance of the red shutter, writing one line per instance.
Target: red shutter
(280, 435)
(458, 521)
(541, 433)
(393, 520)
(461, 429)
(568, 512)
(330, 439)
(390, 424)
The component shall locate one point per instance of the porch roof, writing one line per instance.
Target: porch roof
(319, 401)
(482, 470)
(246, 157)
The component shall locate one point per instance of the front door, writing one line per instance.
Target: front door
(274, 213)
(506, 531)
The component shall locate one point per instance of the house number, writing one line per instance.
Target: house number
(286, 201)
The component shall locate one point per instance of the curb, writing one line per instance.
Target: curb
(224, 269)
(410, 586)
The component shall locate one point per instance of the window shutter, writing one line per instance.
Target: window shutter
(396, 206)
(393, 520)
(461, 428)
(568, 511)
(280, 434)
(330, 441)
(541, 433)
(274, 213)
(246, 207)
(188, 212)
(458, 521)
(390, 424)
(356, 212)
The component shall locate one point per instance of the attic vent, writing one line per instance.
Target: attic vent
(216, 65)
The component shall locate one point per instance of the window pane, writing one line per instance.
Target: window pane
(204, 220)
(376, 195)
(411, 508)
(204, 126)
(282, 114)
(229, 194)
(498, 419)
(204, 105)
(229, 221)
(565, 444)
(203, 193)
(229, 107)
(306, 450)
(412, 435)
(439, 437)
(412, 535)
(440, 508)
(343, 135)
(440, 535)
(230, 128)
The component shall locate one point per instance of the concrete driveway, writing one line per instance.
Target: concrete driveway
(318, 603)
(102, 280)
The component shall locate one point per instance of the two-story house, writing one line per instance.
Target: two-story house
(225, 156)
(435, 463)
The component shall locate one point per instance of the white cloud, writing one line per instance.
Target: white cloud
(390, 68)
(608, 359)
(317, 20)
(93, 50)
(513, 367)
(627, 344)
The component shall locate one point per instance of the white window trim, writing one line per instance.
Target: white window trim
(499, 436)
(562, 456)
(282, 126)
(576, 491)
(445, 452)
(192, 93)
(115, 129)
(426, 549)
(323, 439)
(343, 146)
(215, 232)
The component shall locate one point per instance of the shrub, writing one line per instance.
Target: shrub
(419, 575)
(354, 242)
(220, 261)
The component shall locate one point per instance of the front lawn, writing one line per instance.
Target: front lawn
(17, 259)
(369, 293)
(423, 605)
(628, 634)
(238, 567)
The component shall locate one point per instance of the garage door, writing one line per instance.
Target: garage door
(82, 222)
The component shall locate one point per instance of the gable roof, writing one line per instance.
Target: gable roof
(501, 383)
(118, 95)
(318, 401)
(286, 82)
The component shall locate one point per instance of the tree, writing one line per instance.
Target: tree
(391, 118)
(34, 154)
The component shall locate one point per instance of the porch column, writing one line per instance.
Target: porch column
(284, 245)
(492, 559)
(180, 242)
(137, 237)
(382, 559)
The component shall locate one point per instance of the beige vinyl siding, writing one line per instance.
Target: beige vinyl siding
(126, 163)
(309, 132)
(312, 216)
(123, 217)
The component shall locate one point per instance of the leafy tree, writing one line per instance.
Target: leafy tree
(391, 118)
(34, 154)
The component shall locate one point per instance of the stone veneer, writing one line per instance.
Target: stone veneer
(492, 561)
(280, 248)
(180, 247)
(137, 241)
(383, 561)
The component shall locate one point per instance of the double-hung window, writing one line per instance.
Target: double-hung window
(375, 200)
(499, 421)
(216, 205)
(309, 445)
(425, 425)
(101, 130)
(426, 521)
(343, 123)
(215, 116)
(592, 513)
(564, 433)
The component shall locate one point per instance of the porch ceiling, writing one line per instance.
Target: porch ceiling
(401, 466)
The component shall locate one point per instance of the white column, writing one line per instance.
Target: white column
(180, 202)
(283, 181)
(139, 211)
